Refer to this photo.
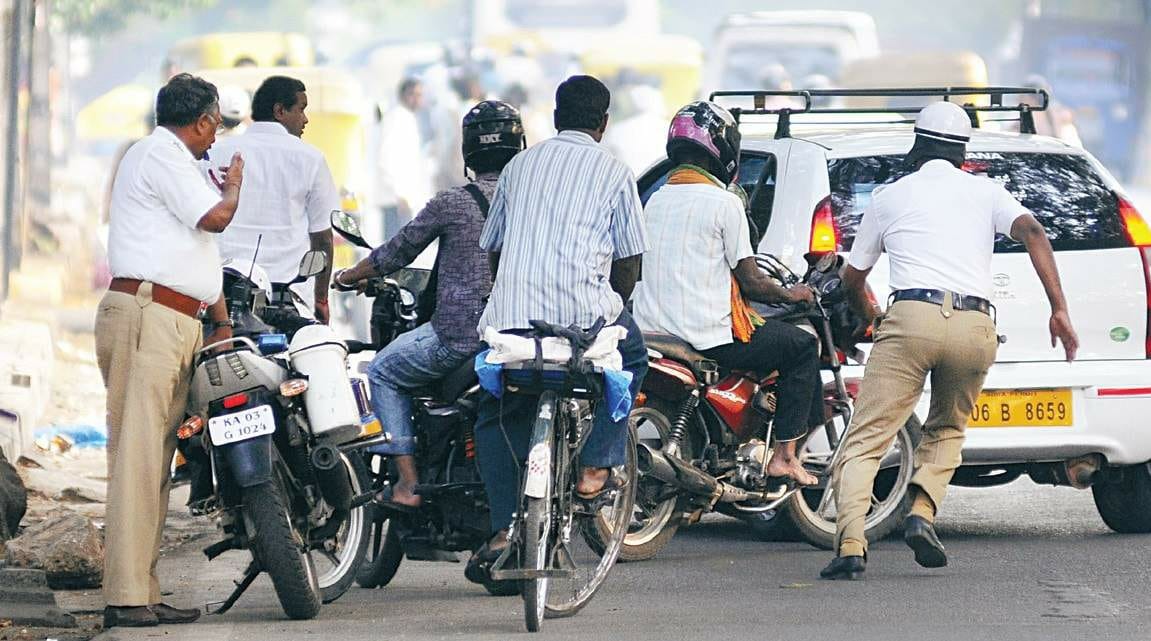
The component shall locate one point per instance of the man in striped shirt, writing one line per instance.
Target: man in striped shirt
(565, 237)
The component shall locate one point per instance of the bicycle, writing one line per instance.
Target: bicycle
(565, 546)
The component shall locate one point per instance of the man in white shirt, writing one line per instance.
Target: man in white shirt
(165, 273)
(289, 193)
(937, 226)
(403, 176)
(700, 249)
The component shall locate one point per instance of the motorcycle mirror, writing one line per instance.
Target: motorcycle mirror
(313, 262)
(348, 227)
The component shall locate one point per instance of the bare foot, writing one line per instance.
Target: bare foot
(592, 480)
(792, 469)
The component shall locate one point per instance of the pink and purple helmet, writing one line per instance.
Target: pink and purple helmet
(707, 126)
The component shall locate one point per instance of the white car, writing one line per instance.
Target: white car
(1081, 424)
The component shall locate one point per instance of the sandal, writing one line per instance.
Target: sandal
(479, 571)
(383, 500)
(614, 482)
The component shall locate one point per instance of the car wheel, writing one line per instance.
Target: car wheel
(1124, 502)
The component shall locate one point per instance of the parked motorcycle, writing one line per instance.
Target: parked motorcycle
(705, 434)
(274, 421)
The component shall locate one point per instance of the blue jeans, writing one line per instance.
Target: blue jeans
(500, 469)
(412, 360)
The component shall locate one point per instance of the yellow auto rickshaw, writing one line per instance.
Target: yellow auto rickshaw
(675, 62)
(931, 69)
(252, 49)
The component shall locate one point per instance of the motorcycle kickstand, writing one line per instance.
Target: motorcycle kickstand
(242, 586)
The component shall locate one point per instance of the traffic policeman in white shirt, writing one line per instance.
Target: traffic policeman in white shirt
(938, 227)
(289, 193)
(164, 218)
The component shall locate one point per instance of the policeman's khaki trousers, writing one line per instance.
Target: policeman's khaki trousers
(145, 353)
(914, 340)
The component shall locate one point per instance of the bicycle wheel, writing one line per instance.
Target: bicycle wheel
(597, 536)
(537, 512)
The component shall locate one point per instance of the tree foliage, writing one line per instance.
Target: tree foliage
(108, 16)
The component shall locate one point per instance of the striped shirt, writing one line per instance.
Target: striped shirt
(698, 235)
(563, 210)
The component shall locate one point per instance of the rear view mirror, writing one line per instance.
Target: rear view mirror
(348, 227)
(313, 262)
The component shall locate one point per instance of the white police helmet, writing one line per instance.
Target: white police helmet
(235, 103)
(945, 122)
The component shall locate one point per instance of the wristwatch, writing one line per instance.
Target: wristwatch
(227, 322)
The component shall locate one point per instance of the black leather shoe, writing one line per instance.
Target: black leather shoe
(167, 614)
(140, 616)
(920, 537)
(844, 568)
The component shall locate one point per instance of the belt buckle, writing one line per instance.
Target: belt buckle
(203, 308)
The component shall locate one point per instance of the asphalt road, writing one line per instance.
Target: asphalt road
(1027, 562)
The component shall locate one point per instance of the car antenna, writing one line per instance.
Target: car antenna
(252, 269)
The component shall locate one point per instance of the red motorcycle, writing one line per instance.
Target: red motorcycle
(705, 434)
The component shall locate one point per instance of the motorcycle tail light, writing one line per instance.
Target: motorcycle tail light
(293, 387)
(235, 400)
(189, 428)
(640, 399)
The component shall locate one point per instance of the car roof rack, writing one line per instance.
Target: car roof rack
(807, 96)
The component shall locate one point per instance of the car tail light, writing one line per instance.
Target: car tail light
(235, 400)
(1140, 235)
(189, 428)
(824, 237)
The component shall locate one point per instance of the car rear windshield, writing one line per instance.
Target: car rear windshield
(1064, 192)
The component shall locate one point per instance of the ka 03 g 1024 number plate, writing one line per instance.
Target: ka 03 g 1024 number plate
(241, 426)
(1022, 408)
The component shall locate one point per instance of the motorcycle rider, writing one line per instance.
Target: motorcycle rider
(700, 266)
(492, 135)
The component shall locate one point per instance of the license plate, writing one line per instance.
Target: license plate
(1022, 408)
(241, 426)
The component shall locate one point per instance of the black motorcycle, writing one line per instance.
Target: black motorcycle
(271, 437)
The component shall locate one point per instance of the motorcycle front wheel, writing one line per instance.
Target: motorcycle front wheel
(281, 551)
(814, 517)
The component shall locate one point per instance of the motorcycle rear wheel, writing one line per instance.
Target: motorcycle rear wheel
(385, 550)
(281, 551)
(346, 551)
(653, 524)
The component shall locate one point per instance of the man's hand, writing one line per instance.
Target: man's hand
(221, 333)
(1061, 330)
(234, 174)
(801, 294)
(323, 314)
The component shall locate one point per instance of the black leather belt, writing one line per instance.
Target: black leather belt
(936, 296)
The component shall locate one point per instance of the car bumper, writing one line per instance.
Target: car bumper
(1111, 406)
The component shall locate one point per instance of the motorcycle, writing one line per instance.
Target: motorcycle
(453, 512)
(705, 433)
(273, 425)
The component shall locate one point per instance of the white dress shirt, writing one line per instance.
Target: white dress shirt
(696, 235)
(288, 193)
(402, 171)
(158, 198)
(938, 228)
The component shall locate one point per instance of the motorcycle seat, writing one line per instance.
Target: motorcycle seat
(451, 387)
(676, 349)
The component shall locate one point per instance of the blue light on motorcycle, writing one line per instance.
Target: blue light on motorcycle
(272, 343)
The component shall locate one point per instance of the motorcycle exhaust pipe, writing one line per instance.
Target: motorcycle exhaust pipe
(674, 471)
(332, 477)
(681, 474)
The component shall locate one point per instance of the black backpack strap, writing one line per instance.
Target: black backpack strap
(480, 198)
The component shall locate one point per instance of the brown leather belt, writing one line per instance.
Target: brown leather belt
(167, 297)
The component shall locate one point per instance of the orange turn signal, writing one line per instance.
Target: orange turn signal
(189, 428)
(293, 387)
(640, 400)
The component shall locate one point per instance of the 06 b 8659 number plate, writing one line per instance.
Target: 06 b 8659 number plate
(242, 425)
(1022, 408)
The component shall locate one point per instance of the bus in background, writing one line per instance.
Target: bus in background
(560, 25)
(253, 49)
(1097, 65)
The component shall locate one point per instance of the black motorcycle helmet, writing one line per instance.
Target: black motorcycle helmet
(492, 133)
(707, 127)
